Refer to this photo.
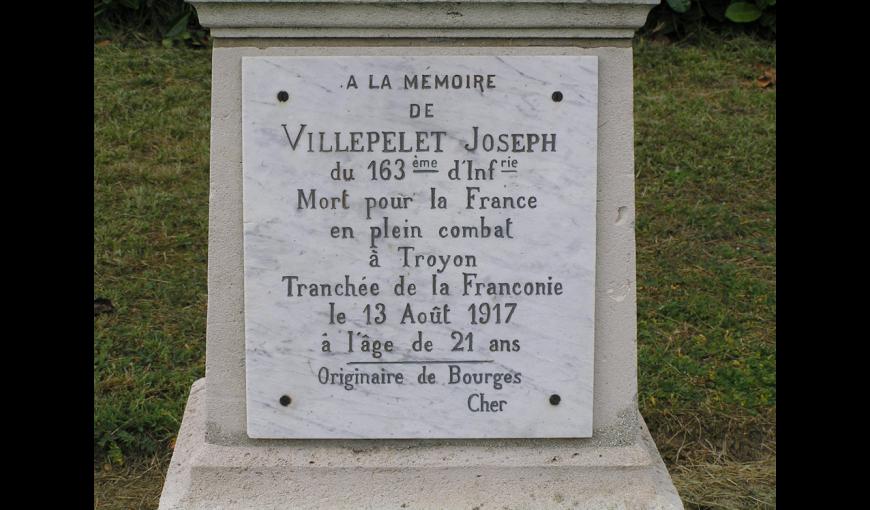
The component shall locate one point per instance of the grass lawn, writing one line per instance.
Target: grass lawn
(706, 233)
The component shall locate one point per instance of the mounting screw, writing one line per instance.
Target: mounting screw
(555, 399)
(285, 400)
(283, 96)
(557, 96)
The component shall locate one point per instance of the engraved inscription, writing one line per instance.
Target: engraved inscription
(419, 246)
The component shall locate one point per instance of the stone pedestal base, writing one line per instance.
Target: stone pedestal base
(412, 474)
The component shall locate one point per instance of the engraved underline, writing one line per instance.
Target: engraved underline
(416, 362)
(425, 171)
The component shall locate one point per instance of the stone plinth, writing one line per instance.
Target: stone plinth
(413, 474)
(216, 464)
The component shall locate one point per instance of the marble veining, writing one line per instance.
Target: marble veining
(299, 113)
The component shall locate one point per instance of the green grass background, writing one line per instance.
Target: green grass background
(706, 264)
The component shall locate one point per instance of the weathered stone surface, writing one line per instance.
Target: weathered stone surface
(615, 366)
(606, 19)
(216, 464)
(339, 474)
(492, 197)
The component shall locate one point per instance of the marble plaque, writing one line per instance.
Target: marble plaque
(419, 246)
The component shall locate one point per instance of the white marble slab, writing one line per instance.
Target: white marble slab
(554, 242)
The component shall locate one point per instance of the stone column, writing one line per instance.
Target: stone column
(216, 464)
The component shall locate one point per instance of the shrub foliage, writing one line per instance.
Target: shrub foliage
(682, 19)
(175, 21)
(169, 21)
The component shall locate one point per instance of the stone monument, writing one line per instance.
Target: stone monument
(421, 260)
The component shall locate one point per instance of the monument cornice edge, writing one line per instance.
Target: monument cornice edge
(495, 18)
